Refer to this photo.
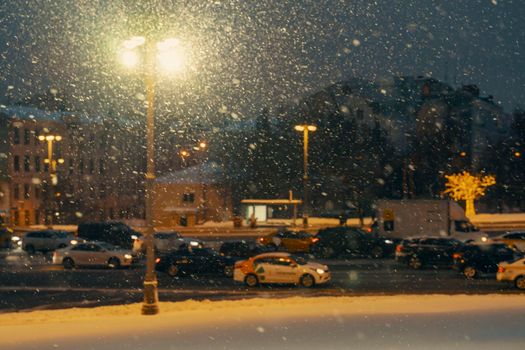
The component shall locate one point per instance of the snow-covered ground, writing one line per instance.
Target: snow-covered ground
(384, 322)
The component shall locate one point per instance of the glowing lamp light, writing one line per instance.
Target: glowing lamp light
(50, 138)
(171, 55)
(129, 58)
(42, 138)
(303, 127)
(202, 145)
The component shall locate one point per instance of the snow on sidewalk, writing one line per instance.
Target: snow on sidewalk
(415, 321)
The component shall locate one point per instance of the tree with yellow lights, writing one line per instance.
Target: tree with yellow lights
(468, 188)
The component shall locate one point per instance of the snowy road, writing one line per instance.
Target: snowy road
(391, 322)
(48, 287)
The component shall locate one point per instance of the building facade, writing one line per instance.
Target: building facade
(94, 180)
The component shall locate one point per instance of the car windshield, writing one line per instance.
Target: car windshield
(379, 138)
(107, 246)
(300, 259)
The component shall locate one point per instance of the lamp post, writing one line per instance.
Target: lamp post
(305, 129)
(169, 56)
(52, 167)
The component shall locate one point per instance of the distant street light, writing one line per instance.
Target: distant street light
(305, 129)
(170, 56)
(52, 166)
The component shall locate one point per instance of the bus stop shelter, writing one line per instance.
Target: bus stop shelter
(259, 207)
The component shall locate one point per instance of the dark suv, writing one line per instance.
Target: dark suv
(115, 233)
(345, 241)
(483, 258)
(428, 251)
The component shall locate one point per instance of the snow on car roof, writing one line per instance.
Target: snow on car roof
(273, 254)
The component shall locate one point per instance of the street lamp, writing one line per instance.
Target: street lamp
(52, 163)
(305, 129)
(168, 55)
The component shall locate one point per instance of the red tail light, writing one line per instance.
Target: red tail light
(261, 239)
(501, 269)
(399, 248)
(157, 260)
(368, 229)
(315, 239)
(456, 256)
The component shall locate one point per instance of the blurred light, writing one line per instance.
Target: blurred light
(58, 138)
(41, 137)
(46, 161)
(308, 127)
(15, 238)
(320, 271)
(202, 145)
(157, 260)
(129, 58)
(194, 244)
(50, 138)
(517, 154)
(135, 237)
(389, 241)
(61, 161)
(184, 153)
(74, 241)
(484, 239)
(462, 154)
(128, 256)
(171, 55)
(133, 42)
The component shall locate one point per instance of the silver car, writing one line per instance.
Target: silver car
(47, 240)
(168, 241)
(93, 254)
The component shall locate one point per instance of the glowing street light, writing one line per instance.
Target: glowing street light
(51, 161)
(168, 55)
(305, 129)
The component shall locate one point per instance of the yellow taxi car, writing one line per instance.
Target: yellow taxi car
(515, 239)
(290, 241)
(280, 267)
(513, 271)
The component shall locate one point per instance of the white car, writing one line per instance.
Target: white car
(93, 254)
(513, 271)
(278, 267)
(512, 239)
(168, 241)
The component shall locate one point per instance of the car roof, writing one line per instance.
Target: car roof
(272, 255)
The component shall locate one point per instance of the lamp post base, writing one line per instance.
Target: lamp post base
(150, 306)
(305, 221)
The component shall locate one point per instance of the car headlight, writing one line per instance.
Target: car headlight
(320, 271)
(134, 237)
(128, 256)
(194, 244)
(73, 242)
(389, 241)
(15, 238)
(484, 239)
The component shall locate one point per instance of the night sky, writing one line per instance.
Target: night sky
(246, 55)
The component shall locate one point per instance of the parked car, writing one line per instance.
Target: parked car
(47, 240)
(290, 241)
(93, 254)
(482, 258)
(168, 241)
(512, 239)
(112, 232)
(189, 260)
(242, 249)
(280, 267)
(344, 241)
(512, 271)
(428, 251)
